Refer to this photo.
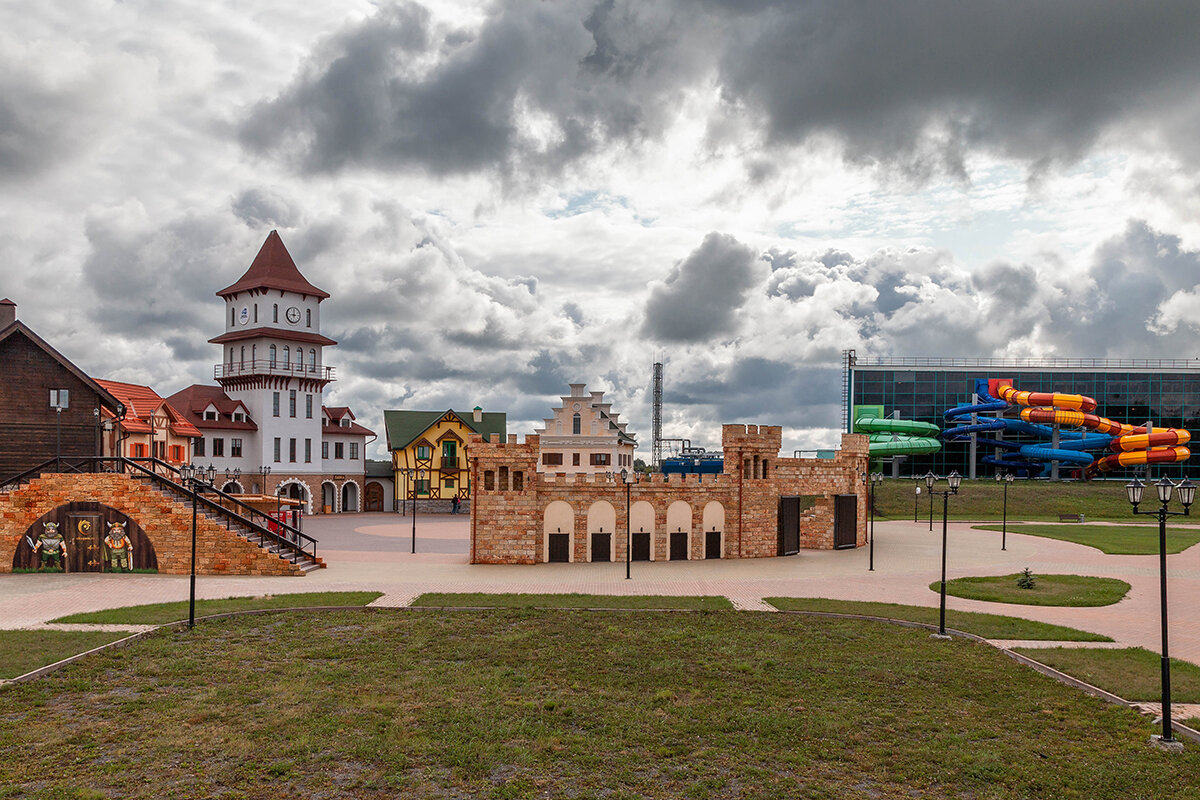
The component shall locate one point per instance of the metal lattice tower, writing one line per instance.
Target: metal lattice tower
(657, 418)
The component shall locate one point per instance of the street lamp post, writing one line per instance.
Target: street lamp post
(929, 479)
(1006, 479)
(876, 478)
(415, 479)
(628, 480)
(954, 479)
(1187, 493)
(264, 471)
(199, 479)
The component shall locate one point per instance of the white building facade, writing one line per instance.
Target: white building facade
(584, 435)
(268, 408)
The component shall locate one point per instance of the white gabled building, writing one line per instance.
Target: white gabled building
(584, 435)
(268, 409)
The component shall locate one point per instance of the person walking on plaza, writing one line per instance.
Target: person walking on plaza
(454, 505)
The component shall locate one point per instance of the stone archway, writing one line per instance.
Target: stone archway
(329, 497)
(558, 532)
(296, 490)
(601, 527)
(349, 496)
(679, 531)
(373, 496)
(713, 525)
(641, 530)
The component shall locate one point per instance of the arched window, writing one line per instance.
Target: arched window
(308, 317)
(275, 313)
(576, 424)
(256, 312)
(253, 354)
(231, 356)
(287, 356)
(312, 360)
(242, 360)
(271, 354)
(232, 317)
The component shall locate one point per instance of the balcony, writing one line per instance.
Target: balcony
(234, 369)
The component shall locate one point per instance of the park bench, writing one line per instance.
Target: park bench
(1070, 517)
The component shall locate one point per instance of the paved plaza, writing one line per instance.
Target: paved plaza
(373, 552)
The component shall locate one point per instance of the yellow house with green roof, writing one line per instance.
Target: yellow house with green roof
(429, 451)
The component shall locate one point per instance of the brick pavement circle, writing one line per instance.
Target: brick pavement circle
(907, 560)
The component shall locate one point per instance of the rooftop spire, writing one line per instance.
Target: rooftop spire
(273, 268)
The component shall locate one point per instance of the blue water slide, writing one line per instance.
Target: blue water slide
(986, 403)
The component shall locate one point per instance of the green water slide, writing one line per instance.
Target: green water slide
(895, 437)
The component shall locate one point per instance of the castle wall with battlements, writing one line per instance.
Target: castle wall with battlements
(517, 511)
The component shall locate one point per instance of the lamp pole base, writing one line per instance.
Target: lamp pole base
(1170, 745)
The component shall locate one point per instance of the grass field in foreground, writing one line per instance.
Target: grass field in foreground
(1131, 540)
(524, 704)
(479, 600)
(162, 613)
(1049, 590)
(989, 626)
(1132, 673)
(25, 651)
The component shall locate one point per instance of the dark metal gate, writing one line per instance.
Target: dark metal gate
(641, 547)
(601, 547)
(712, 544)
(679, 546)
(845, 521)
(789, 526)
(560, 548)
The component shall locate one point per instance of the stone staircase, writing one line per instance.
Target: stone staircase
(277, 545)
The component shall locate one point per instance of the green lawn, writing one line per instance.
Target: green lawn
(162, 613)
(25, 651)
(1027, 499)
(1049, 590)
(570, 601)
(517, 703)
(989, 626)
(1131, 673)
(1129, 540)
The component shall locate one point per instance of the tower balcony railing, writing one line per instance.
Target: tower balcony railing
(237, 368)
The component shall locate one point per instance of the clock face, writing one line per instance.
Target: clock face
(293, 315)
(244, 316)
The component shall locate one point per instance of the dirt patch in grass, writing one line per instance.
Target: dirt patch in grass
(521, 703)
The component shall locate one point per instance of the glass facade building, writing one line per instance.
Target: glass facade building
(1129, 391)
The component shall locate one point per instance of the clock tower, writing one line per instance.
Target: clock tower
(272, 359)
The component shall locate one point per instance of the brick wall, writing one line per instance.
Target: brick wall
(167, 524)
(508, 525)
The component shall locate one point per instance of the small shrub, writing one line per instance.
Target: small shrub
(1026, 580)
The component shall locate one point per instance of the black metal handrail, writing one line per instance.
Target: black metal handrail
(293, 540)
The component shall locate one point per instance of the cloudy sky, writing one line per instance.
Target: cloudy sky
(506, 197)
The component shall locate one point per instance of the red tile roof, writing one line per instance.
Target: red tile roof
(194, 399)
(273, 268)
(337, 413)
(140, 403)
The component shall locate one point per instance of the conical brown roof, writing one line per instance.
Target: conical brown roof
(273, 268)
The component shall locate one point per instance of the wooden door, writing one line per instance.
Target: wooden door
(374, 496)
(85, 552)
(789, 526)
(712, 544)
(601, 547)
(679, 542)
(560, 548)
(641, 547)
(845, 521)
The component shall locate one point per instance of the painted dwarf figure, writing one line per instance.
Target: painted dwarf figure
(120, 549)
(51, 546)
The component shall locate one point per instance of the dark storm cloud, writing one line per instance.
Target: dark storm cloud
(701, 295)
(759, 390)
(370, 100)
(922, 81)
(916, 85)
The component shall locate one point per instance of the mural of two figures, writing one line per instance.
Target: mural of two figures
(85, 537)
